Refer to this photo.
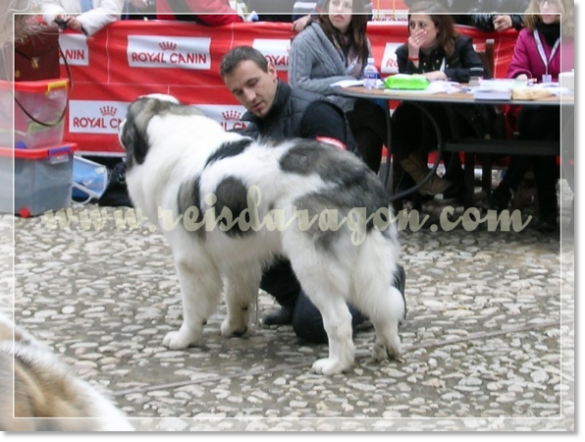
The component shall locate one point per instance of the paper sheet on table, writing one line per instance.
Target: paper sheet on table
(348, 83)
(435, 87)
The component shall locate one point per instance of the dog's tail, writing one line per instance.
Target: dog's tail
(373, 290)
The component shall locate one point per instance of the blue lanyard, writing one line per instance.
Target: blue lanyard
(541, 50)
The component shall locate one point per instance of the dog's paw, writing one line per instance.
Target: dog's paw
(382, 352)
(228, 328)
(329, 366)
(178, 340)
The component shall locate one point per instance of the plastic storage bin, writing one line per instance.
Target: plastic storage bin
(46, 102)
(89, 180)
(42, 178)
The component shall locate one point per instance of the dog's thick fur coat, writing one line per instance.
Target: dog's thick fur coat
(184, 172)
(40, 393)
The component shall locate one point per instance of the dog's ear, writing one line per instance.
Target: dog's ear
(133, 136)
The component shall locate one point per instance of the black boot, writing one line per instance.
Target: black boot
(283, 316)
(500, 198)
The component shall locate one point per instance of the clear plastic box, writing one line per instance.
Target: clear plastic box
(42, 179)
(44, 101)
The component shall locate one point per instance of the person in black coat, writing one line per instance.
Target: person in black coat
(487, 15)
(434, 49)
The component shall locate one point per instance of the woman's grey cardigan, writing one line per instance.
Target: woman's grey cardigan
(314, 64)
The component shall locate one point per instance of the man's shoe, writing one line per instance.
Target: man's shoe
(281, 317)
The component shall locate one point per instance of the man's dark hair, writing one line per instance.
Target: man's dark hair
(239, 54)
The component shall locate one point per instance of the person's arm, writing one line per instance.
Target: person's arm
(51, 9)
(520, 63)
(325, 120)
(468, 59)
(301, 58)
(406, 66)
(95, 19)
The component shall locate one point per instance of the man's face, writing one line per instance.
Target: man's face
(252, 87)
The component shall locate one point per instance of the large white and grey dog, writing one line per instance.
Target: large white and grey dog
(228, 205)
(39, 392)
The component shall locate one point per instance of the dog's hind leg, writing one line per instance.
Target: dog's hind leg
(201, 285)
(327, 286)
(385, 321)
(241, 290)
(375, 295)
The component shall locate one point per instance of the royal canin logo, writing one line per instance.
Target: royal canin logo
(231, 115)
(108, 111)
(146, 51)
(168, 46)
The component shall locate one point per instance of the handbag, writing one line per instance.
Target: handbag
(36, 55)
(36, 58)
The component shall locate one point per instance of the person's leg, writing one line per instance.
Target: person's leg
(367, 122)
(411, 135)
(307, 321)
(280, 281)
(546, 176)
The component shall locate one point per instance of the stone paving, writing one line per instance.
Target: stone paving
(488, 342)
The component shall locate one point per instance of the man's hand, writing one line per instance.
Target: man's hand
(73, 23)
(300, 23)
(502, 23)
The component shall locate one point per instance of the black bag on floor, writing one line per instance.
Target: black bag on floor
(116, 193)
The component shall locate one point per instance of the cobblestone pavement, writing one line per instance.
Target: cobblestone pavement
(489, 338)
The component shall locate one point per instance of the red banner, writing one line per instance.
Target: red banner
(132, 58)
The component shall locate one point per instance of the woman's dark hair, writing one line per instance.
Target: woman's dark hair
(442, 20)
(356, 30)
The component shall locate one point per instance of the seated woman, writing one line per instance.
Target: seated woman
(537, 55)
(434, 49)
(332, 47)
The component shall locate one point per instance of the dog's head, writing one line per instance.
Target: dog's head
(133, 131)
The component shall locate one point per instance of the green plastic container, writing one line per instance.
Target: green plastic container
(406, 82)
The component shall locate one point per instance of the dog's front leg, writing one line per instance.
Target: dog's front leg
(241, 291)
(200, 293)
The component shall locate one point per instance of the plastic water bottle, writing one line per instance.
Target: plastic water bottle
(371, 74)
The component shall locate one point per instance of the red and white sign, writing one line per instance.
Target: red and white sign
(129, 58)
(96, 117)
(74, 47)
(147, 51)
(276, 51)
(227, 115)
(389, 64)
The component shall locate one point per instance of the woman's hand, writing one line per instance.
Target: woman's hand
(435, 75)
(523, 77)
(502, 23)
(415, 41)
(300, 23)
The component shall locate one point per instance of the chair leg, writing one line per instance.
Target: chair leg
(486, 174)
(469, 179)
